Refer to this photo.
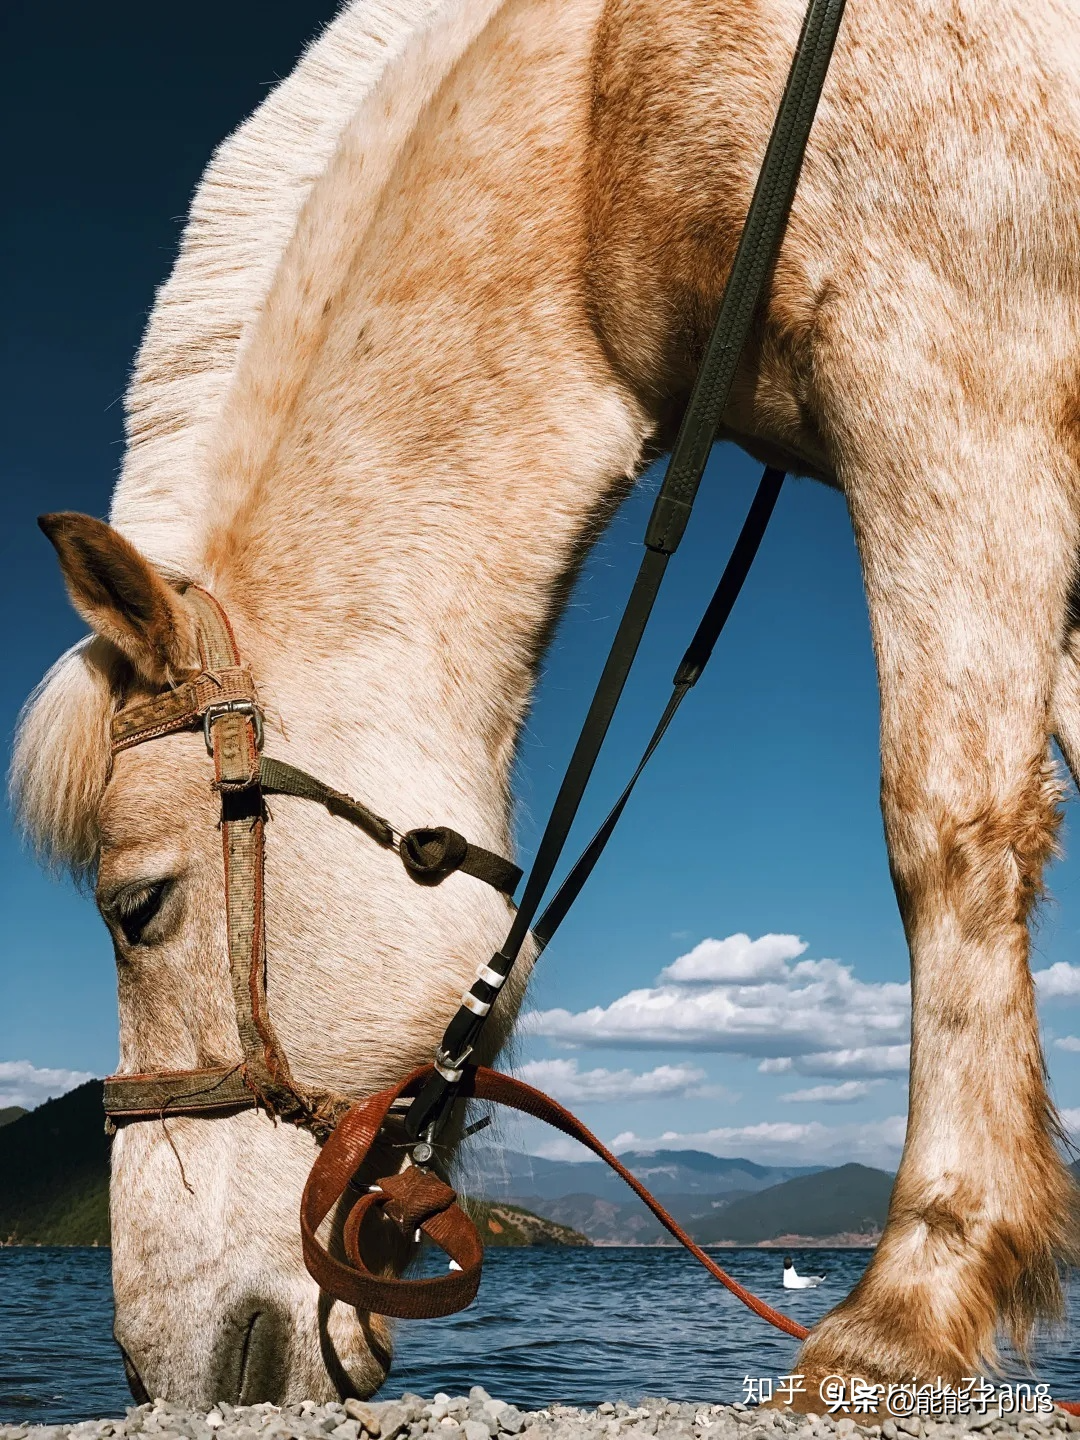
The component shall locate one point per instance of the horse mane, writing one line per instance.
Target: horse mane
(242, 217)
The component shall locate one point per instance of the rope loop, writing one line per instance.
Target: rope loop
(433, 853)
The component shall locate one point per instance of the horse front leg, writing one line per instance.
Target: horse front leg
(966, 579)
(1066, 712)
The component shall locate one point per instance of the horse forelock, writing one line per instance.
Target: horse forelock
(62, 756)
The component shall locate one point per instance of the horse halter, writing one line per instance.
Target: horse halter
(222, 699)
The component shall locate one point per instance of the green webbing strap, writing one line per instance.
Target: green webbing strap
(278, 778)
(758, 247)
(686, 677)
(429, 855)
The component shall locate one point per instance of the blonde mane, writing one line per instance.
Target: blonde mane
(242, 217)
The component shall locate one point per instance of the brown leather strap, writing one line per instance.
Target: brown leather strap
(177, 1092)
(235, 740)
(182, 708)
(402, 1198)
(224, 700)
(429, 854)
(345, 1153)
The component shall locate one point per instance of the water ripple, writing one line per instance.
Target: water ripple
(577, 1326)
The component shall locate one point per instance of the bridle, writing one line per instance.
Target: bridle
(222, 700)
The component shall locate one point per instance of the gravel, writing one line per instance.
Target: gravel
(477, 1416)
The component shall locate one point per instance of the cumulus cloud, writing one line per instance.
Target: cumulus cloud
(27, 1085)
(736, 960)
(876, 1143)
(1058, 982)
(1071, 1120)
(1068, 1042)
(550, 1146)
(563, 1080)
(842, 1094)
(782, 1007)
(863, 1060)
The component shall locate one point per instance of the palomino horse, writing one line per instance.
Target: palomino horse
(437, 301)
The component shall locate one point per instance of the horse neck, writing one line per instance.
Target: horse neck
(425, 433)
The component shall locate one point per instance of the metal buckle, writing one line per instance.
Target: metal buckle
(451, 1069)
(232, 707)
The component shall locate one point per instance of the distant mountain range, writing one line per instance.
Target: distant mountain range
(849, 1204)
(695, 1186)
(502, 1224)
(497, 1172)
(54, 1191)
(845, 1206)
(719, 1201)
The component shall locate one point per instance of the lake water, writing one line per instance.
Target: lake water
(576, 1325)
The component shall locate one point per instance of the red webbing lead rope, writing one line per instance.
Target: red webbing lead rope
(491, 1085)
(418, 1200)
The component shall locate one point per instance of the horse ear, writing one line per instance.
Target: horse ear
(122, 597)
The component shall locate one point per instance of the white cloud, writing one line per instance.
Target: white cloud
(863, 1060)
(736, 960)
(1058, 982)
(809, 1007)
(24, 1084)
(556, 1147)
(563, 1080)
(842, 1094)
(876, 1142)
(1068, 1042)
(1071, 1120)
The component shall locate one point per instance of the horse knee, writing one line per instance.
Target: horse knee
(977, 857)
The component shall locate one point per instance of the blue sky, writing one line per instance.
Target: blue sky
(758, 819)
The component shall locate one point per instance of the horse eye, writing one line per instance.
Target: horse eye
(133, 909)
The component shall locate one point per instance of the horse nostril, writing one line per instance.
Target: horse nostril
(255, 1357)
(139, 1392)
(245, 1358)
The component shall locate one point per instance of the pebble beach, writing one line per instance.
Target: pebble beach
(479, 1416)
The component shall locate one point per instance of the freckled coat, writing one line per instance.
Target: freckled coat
(437, 302)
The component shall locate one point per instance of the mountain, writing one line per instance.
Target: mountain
(500, 1174)
(54, 1172)
(13, 1112)
(501, 1224)
(585, 1195)
(850, 1200)
(608, 1223)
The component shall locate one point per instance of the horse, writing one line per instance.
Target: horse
(439, 301)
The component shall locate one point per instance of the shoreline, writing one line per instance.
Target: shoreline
(478, 1416)
(782, 1242)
